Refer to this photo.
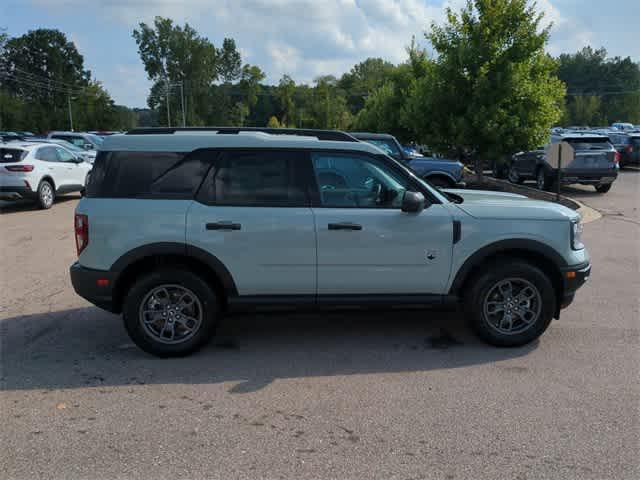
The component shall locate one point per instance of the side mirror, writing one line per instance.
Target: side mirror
(88, 146)
(412, 202)
(78, 159)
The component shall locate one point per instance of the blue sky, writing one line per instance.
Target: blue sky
(302, 38)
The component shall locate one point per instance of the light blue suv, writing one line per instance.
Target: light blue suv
(180, 226)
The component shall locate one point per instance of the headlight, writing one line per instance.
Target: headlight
(576, 235)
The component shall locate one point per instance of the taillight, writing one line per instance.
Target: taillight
(81, 224)
(616, 157)
(20, 168)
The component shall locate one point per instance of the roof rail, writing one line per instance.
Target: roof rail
(333, 135)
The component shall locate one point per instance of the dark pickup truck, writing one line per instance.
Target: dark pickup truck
(438, 171)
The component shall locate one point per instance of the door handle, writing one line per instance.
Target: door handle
(223, 226)
(345, 226)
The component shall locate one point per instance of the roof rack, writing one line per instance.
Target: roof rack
(331, 135)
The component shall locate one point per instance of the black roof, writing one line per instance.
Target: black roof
(334, 135)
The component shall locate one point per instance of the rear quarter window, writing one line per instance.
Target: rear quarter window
(11, 155)
(175, 175)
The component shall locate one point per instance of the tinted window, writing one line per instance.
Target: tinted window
(585, 144)
(147, 174)
(48, 154)
(347, 180)
(11, 155)
(258, 178)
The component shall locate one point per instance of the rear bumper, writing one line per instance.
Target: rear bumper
(16, 192)
(86, 283)
(589, 177)
(573, 278)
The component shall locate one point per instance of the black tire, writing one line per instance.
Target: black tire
(603, 188)
(513, 176)
(484, 284)
(179, 278)
(46, 194)
(440, 181)
(543, 180)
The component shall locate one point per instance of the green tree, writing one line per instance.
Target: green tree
(364, 78)
(285, 93)
(171, 54)
(492, 89)
(42, 69)
(611, 86)
(230, 62)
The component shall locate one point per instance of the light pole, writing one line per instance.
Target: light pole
(70, 114)
(168, 110)
(184, 116)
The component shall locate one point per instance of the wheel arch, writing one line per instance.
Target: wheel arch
(532, 251)
(149, 257)
(49, 179)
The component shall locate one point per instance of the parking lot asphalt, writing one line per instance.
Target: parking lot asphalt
(391, 394)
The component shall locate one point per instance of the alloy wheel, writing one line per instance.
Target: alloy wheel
(171, 314)
(512, 306)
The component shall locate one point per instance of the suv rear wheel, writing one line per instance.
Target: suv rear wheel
(603, 188)
(511, 303)
(170, 312)
(46, 194)
(543, 182)
(513, 175)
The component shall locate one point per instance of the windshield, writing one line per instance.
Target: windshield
(387, 146)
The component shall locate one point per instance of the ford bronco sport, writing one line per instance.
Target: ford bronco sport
(180, 226)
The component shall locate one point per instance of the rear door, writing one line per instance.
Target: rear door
(366, 244)
(252, 213)
(54, 167)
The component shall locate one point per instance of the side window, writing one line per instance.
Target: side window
(64, 155)
(47, 154)
(148, 174)
(257, 178)
(357, 181)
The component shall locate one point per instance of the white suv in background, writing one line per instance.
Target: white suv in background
(40, 172)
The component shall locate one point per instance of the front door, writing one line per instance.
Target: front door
(74, 171)
(366, 244)
(253, 214)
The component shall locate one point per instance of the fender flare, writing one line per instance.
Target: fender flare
(516, 244)
(180, 249)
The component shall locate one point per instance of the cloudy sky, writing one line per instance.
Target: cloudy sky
(302, 38)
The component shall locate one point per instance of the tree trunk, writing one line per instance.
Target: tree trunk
(477, 162)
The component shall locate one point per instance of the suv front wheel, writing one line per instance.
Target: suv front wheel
(510, 303)
(170, 312)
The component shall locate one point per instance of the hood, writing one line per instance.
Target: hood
(488, 204)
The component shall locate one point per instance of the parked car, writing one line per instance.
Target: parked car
(177, 230)
(439, 171)
(628, 146)
(40, 172)
(594, 162)
(623, 126)
(10, 136)
(88, 141)
(87, 155)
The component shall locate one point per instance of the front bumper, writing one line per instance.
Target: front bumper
(96, 286)
(573, 278)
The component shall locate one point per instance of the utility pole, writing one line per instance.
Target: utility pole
(184, 116)
(168, 111)
(70, 114)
